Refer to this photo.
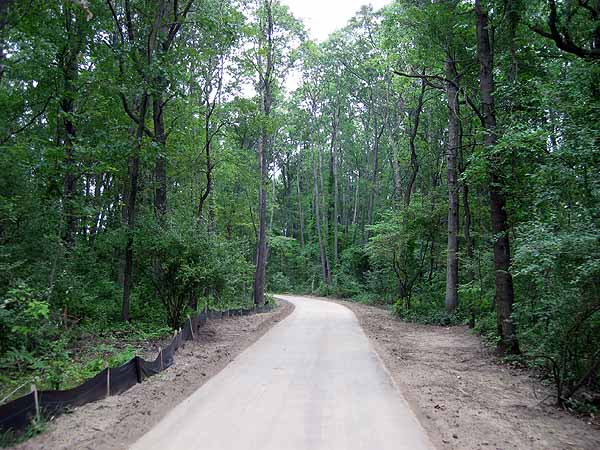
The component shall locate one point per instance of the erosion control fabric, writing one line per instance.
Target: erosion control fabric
(17, 415)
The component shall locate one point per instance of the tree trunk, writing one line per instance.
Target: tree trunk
(374, 177)
(395, 166)
(69, 64)
(467, 223)
(160, 164)
(504, 287)
(336, 213)
(208, 187)
(356, 197)
(325, 271)
(261, 250)
(300, 211)
(130, 205)
(334, 178)
(451, 158)
(414, 161)
(273, 194)
(97, 204)
(265, 91)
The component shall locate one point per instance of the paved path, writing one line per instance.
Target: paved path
(313, 382)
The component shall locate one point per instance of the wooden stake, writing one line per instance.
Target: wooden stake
(191, 327)
(161, 359)
(107, 380)
(36, 401)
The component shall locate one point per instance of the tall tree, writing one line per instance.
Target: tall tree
(452, 90)
(265, 92)
(505, 296)
(68, 59)
(141, 39)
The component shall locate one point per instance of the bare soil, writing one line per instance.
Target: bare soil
(117, 422)
(464, 397)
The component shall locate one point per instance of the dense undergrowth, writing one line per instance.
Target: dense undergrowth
(556, 283)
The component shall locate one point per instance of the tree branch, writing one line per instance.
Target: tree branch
(29, 122)
(564, 41)
(427, 78)
(133, 117)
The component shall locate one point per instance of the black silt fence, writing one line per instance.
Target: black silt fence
(151, 368)
(17, 415)
(96, 388)
(123, 377)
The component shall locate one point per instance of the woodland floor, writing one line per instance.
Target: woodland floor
(116, 422)
(464, 397)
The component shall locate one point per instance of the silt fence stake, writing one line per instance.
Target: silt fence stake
(36, 401)
(191, 327)
(107, 380)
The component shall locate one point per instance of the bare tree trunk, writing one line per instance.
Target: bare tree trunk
(69, 64)
(504, 287)
(160, 163)
(325, 271)
(414, 161)
(130, 205)
(433, 180)
(324, 213)
(356, 197)
(168, 21)
(261, 251)
(208, 187)
(211, 85)
(345, 200)
(336, 213)
(272, 205)
(97, 203)
(374, 177)
(394, 127)
(395, 166)
(467, 223)
(265, 90)
(334, 177)
(451, 157)
(300, 210)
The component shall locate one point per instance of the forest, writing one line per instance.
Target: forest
(441, 158)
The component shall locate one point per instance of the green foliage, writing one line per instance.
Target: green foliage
(26, 329)
(191, 263)
(557, 275)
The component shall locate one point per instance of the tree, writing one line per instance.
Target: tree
(504, 286)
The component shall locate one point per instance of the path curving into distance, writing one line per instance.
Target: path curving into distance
(313, 382)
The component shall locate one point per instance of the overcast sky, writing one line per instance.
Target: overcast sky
(323, 17)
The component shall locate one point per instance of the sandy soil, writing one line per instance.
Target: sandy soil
(118, 421)
(463, 397)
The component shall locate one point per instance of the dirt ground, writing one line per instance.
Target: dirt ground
(463, 397)
(118, 421)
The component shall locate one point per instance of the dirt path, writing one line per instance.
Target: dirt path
(463, 397)
(313, 382)
(116, 422)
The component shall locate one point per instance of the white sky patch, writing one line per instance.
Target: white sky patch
(323, 17)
